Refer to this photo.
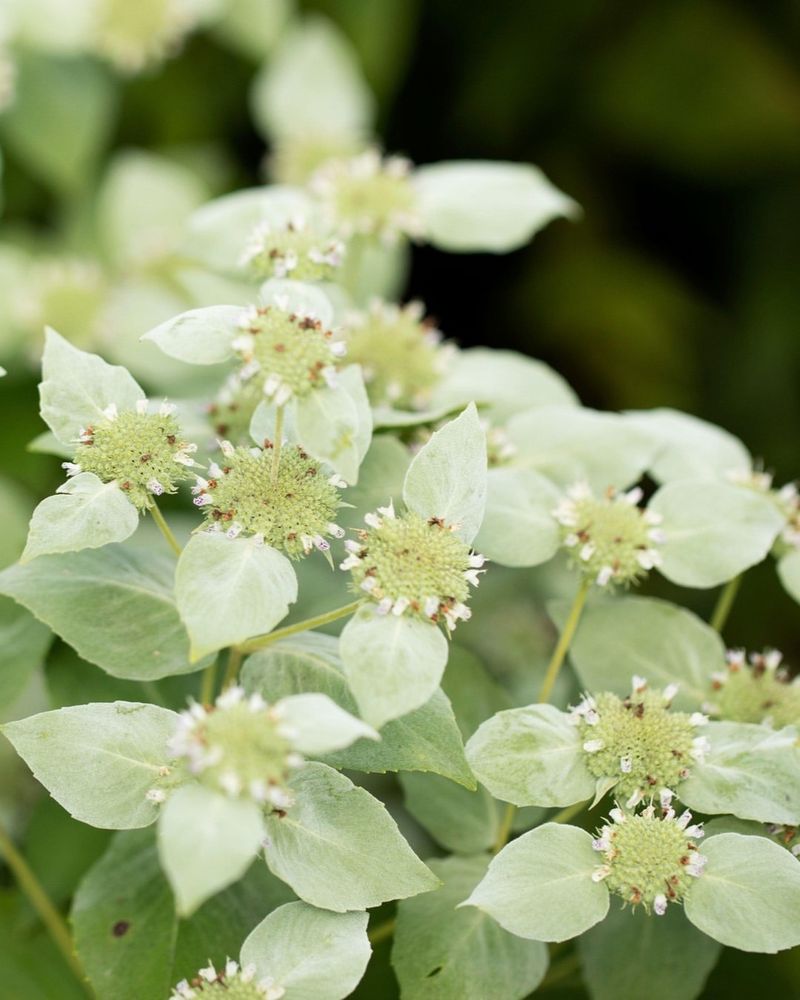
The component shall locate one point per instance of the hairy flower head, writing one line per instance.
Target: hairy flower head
(231, 982)
(649, 859)
(294, 251)
(758, 690)
(609, 539)
(638, 740)
(141, 451)
(292, 508)
(414, 565)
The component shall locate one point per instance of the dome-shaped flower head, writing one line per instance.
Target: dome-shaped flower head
(758, 689)
(231, 982)
(295, 250)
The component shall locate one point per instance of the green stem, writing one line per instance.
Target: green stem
(564, 641)
(725, 603)
(208, 684)
(42, 904)
(304, 626)
(166, 531)
(504, 830)
(382, 932)
(277, 444)
(568, 812)
(151, 690)
(232, 668)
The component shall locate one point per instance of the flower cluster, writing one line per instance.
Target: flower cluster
(369, 195)
(611, 540)
(787, 499)
(649, 859)
(132, 36)
(239, 746)
(400, 353)
(291, 505)
(413, 564)
(141, 451)
(786, 836)
(291, 353)
(232, 982)
(292, 251)
(760, 690)
(638, 740)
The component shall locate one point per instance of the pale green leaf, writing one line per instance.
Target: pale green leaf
(463, 821)
(230, 589)
(631, 947)
(393, 663)
(518, 528)
(84, 513)
(540, 885)
(252, 26)
(24, 642)
(748, 897)
(312, 954)
(474, 692)
(326, 423)
(380, 479)
(444, 953)
(99, 760)
(127, 591)
(789, 573)
(532, 757)
(749, 771)
(653, 639)
(338, 847)
(200, 336)
(76, 387)
(447, 478)
(469, 206)
(206, 841)
(714, 531)
(320, 726)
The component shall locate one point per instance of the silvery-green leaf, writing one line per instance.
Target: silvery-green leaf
(508, 382)
(326, 423)
(230, 589)
(373, 269)
(199, 336)
(469, 206)
(444, 953)
(532, 757)
(789, 573)
(386, 417)
(749, 771)
(47, 443)
(690, 448)
(631, 947)
(76, 387)
(84, 513)
(540, 885)
(654, 639)
(24, 642)
(463, 821)
(128, 591)
(570, 444)
(475, 694)
(351, 379)
(319, 726)
(312, 85)
(312, 954)
(251, 26)
(298, 296)
(393, 663)
(424, 740)
(99, 760)
(206, 841)
(447, 477)
(218, 232)
(518, 528)
(714, 531)
(380, 479)
(748, 897)
(339, 848)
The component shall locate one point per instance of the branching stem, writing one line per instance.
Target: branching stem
(260, 642)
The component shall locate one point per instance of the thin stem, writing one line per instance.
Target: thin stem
(208, 684)
(277, 444)
(382, 932)
(232, 667)
(151, 690)
(564, 641)
(41, 902)
(166, 531)
(504, 830)
(304, 626)
(725, 603)
(568, 812)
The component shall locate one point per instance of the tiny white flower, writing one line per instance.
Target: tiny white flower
(155, 487)
(71, 468)
(141, 407)
(660, 905)
(592, 746)
(625, 765)
(604, 576)
(111, 412)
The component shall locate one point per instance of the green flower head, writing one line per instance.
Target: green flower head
(135, 35)
(231, 982)
(289, 353)
(414, 565)
(610, 539)
(293, 251)
(400, 352)
(760, 690)
(369, 195)
(141, 451)
(232, 410)
(650, 859)
(291, 506)
(638, 740)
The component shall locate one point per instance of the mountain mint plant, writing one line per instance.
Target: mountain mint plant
(282, 743)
